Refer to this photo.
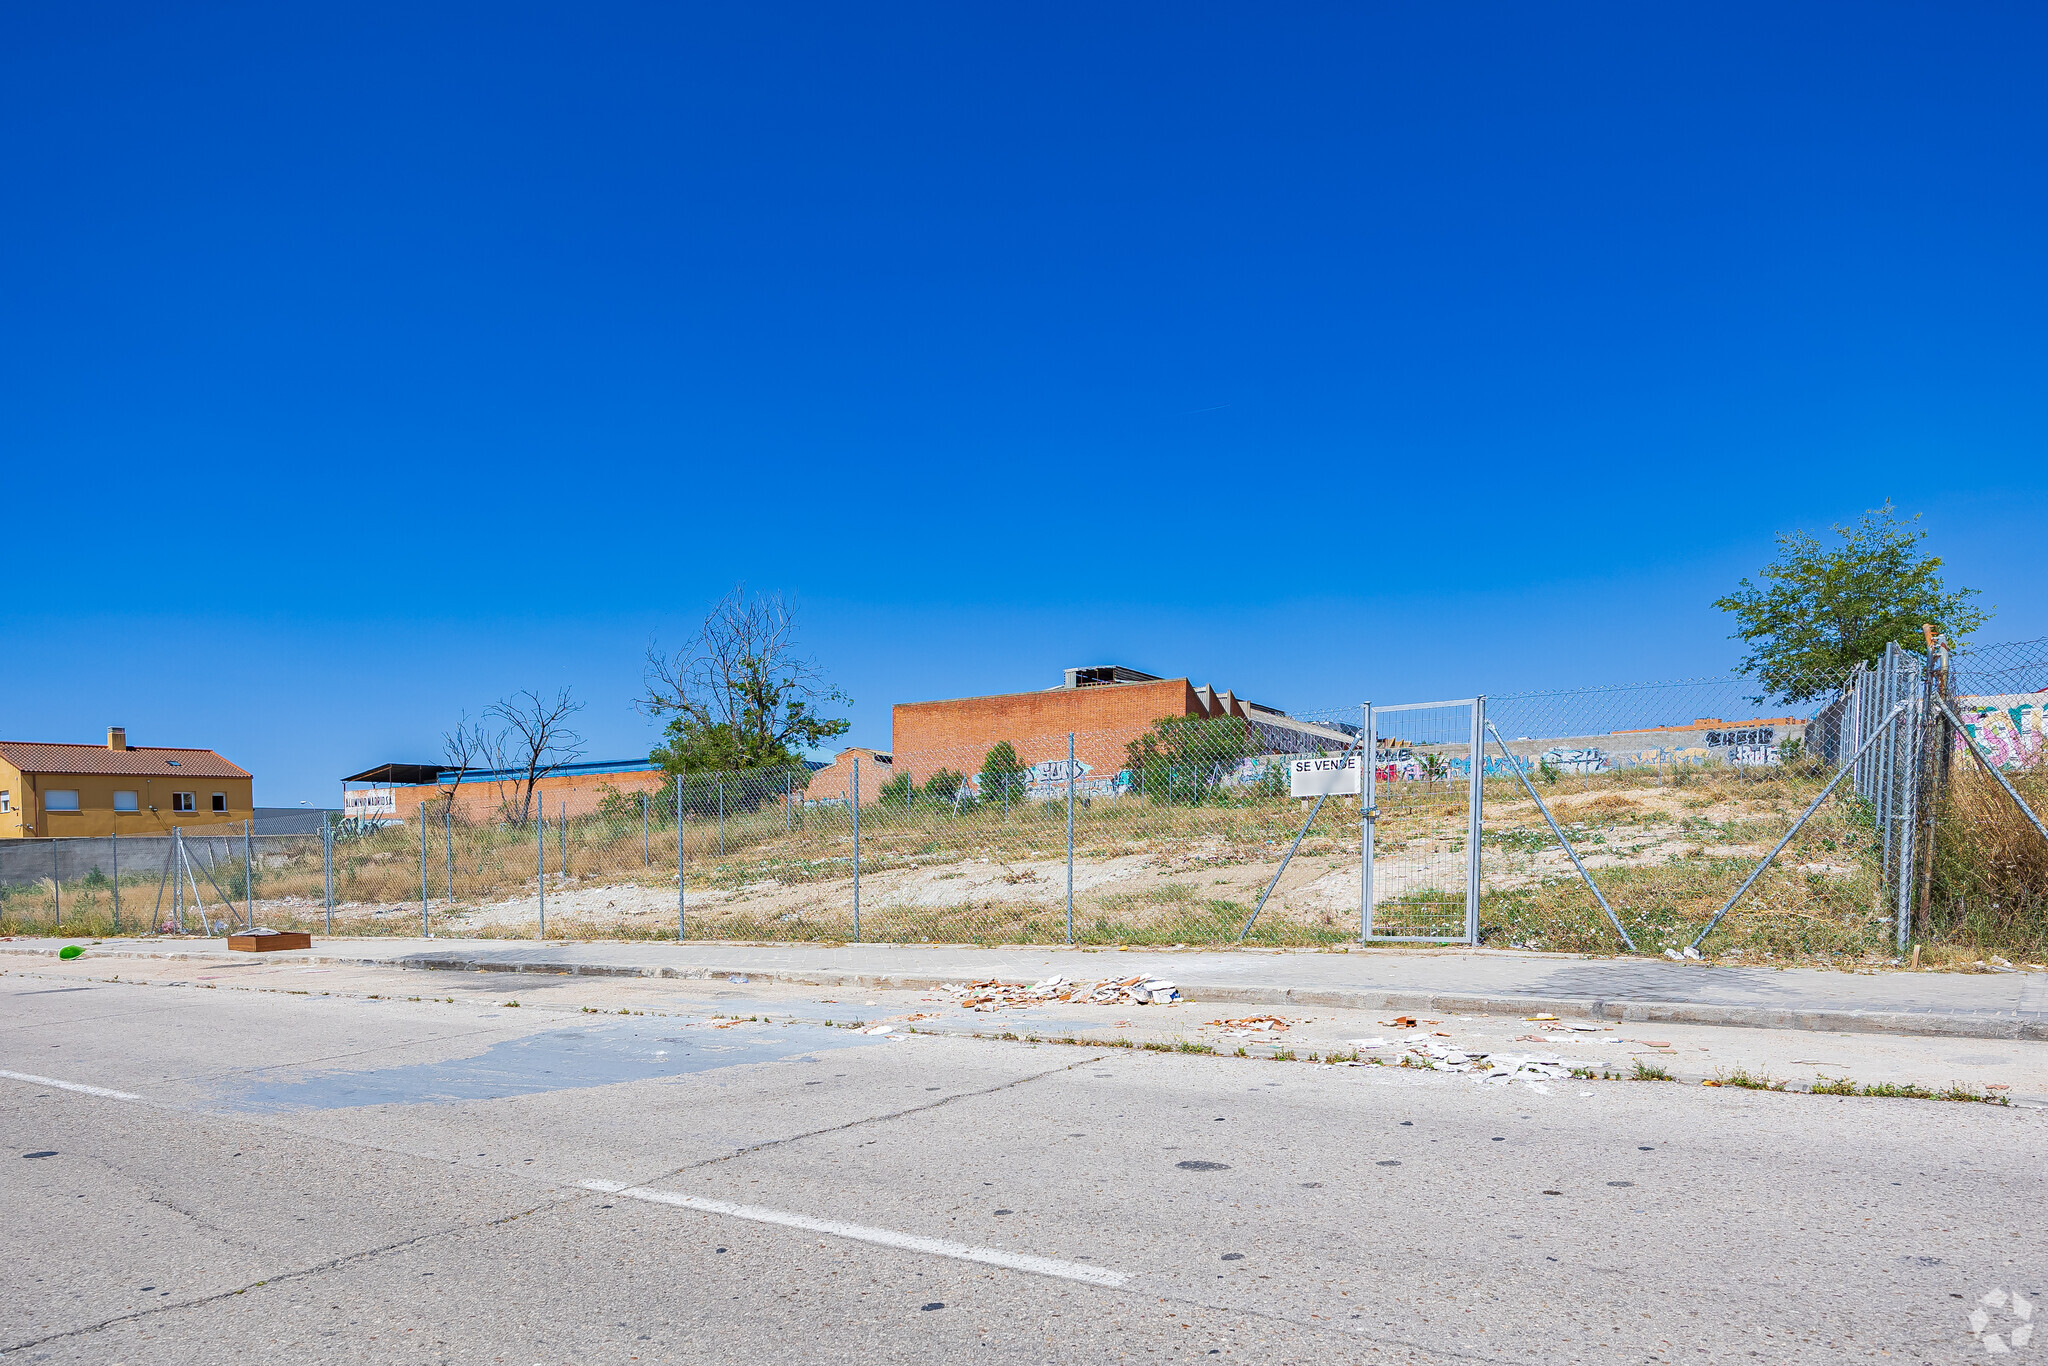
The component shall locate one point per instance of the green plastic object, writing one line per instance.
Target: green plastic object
(70, 951)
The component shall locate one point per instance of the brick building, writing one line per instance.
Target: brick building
(1105, 708)
(834, 782)
(393, 792)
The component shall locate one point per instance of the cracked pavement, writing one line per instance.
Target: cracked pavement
(359, 1176)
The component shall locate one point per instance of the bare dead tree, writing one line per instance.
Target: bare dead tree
(537, 740)
(740, 695)
(468, 747)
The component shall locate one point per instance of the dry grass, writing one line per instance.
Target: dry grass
(1668, 849)
(1989, 888)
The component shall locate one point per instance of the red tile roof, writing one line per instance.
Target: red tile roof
(136, 762)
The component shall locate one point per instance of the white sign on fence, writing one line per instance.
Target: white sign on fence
(1342, 776)
(369, 803)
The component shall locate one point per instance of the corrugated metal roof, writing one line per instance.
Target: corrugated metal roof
(135, 762)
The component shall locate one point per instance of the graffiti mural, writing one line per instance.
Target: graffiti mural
(1580, 760)
(2013, 730)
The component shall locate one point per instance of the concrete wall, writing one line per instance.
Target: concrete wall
(29, 860)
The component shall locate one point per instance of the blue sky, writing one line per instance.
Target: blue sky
(359, 366)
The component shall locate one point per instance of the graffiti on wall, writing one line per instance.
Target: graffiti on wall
(2013, 731)
(1747, 746)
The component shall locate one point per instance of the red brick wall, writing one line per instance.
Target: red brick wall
(957, 734)
(834, 782)
(479, 801)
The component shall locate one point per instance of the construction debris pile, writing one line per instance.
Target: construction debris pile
(1500, 1067)
(1251, 1026)
(1134, 991)
(1444, 1057)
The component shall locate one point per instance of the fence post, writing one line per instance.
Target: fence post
(856, 848)
(327, 870)
(114, 843)
(646, 861)
(423, 870)
(680, 893)
(1368, 820)
(1905, 794)
(56, 888)
(1070, 837)
(448, 833)
(682, 899)
(721, 814)
(249, 867)
(1932, 746)
(178, 878)
(788, 801)
(562, 834)
(1475, 801)
(540, 856)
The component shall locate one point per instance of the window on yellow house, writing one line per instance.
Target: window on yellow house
(6, 801)
(220, 801)
(125, 801)
(60, 799)
(183, 801)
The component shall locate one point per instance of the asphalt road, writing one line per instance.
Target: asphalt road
(278, 1177)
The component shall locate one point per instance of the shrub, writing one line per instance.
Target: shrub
(1003, 778)
(1182, 759)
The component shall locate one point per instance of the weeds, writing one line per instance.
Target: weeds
(1741, 1079)
(1648, 1071)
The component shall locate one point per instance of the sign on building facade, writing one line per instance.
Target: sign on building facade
(370, 803)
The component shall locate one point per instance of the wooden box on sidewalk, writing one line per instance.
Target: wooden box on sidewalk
(270, 941)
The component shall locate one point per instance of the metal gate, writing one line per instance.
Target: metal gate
(1419, 821)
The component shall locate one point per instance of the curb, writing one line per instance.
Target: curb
(1594, 1008)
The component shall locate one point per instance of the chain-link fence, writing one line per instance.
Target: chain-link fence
(1593, 819)
(1982, 866)
(1672, 796)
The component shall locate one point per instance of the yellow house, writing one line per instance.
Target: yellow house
(62, 790)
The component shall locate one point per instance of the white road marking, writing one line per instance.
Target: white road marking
(79, 1087)
(860, 1233)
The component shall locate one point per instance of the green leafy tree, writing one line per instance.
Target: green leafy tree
(741, 696)
(1819, 610)
(1184, 758)
(1003, 778)
(898, 791)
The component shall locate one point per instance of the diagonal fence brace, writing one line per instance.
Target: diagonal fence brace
(1557, 830)
(1877, 732)
(1312, 812)
(227, 902)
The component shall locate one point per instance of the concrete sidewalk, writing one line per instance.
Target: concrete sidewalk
(1476, 981)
